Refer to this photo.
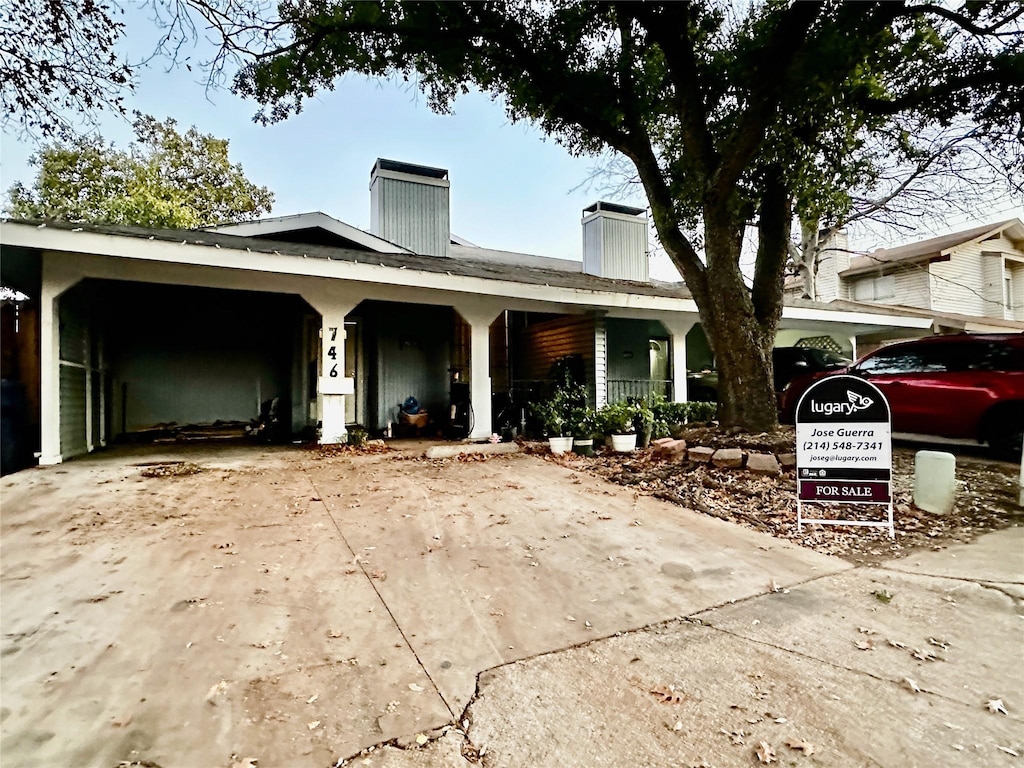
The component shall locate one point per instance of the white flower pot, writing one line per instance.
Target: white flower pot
(560, 444)
(624, 443)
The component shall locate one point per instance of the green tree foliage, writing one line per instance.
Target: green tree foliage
(734, 114)
(165, 179)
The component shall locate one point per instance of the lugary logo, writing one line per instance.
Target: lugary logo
(855, 403)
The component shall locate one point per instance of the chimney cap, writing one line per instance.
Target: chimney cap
(416, 170)
(602, 205)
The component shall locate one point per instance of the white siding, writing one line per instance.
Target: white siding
(833, 258)
(1016, 273)
(909, 288)
(615, 246)
(411, 213)
(958, 285)
(625, 249)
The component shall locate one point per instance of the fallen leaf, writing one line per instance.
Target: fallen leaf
(896, 644)
(911, 685)
(667, 695)
(313, 698)
(800, 744)
(570, 618)
(335, 633)
(313, 725)
(938, 643)
(765, 753)
(1008, 751)
(865, 631)
(122, 722)
(245, 762)
(415, 687)
(865, 645)
(923, 655)
(996, 706)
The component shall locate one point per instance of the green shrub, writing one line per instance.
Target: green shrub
(616, 418)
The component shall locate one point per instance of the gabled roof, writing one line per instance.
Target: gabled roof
(933, 249)
(345, 234)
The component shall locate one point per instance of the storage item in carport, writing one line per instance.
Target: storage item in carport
(411, 415)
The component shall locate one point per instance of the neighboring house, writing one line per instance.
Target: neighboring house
(969, 280)
(139, 327)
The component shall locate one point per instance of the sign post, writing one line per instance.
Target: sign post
(844, 448)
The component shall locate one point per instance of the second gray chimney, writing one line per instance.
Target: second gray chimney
(409, 206)
(615, 241)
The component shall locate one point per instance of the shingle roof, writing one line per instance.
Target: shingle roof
(463, 266)
(924, 250)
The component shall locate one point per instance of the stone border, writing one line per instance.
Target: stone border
(725, 458)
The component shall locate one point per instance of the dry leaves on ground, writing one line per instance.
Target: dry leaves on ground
(765, 753)
(987, 499)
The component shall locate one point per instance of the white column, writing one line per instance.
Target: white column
(56, 279)
(678, 328)
(479, 317)
(853, 347)
(600, 362)
(332, 384)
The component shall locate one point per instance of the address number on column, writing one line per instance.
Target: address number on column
(332, 373)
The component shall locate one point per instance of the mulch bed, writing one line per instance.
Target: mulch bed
(987, 494)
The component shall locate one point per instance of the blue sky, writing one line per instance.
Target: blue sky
(511, 187)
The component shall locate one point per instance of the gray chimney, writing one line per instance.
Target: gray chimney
(615, 241)
(409, 206)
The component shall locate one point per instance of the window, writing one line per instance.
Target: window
(875, 288)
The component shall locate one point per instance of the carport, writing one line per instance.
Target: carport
(137, 356)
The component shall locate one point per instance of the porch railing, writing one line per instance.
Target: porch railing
(622, 389)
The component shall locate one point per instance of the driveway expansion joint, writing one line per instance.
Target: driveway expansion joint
(359, 563)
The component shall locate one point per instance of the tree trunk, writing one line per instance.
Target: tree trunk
(740, 339)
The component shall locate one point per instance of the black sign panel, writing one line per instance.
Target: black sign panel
(843, 442)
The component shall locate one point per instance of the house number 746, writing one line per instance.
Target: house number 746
(332, 353)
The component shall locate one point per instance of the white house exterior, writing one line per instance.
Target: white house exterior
(969, 280)
(139, 327)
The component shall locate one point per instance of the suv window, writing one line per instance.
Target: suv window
(946, 357)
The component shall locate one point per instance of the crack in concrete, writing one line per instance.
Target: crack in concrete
(356, 559)
(982, 582)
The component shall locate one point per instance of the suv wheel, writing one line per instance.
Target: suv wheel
(1004, 432)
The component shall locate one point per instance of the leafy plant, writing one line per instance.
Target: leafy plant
(617, 418)
(558, 413)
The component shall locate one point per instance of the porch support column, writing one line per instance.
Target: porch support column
(332, 384)
(678, 327)
(853, 347)
(57, 278)
(479, 315)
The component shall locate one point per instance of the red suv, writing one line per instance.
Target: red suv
(964, 386)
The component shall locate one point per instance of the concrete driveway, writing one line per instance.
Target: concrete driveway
(297, 609)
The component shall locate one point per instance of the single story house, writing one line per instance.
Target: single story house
(131, 327)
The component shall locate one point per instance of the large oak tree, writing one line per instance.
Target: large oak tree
(732, 114)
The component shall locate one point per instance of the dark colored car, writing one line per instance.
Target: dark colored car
(787, 363)
(963, 386)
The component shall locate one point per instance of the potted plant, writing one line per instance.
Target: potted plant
(617, 419)
(556, 414)
(643, 420)
(584, 425)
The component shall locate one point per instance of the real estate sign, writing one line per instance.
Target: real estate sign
(844, 447)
